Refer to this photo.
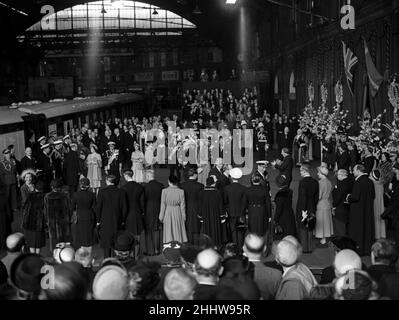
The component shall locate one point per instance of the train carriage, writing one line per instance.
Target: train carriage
(18, 125)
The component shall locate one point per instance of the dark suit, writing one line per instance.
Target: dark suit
(308, 197)
(368, 163)
(267, 279)
(205, 292)
(285, 141)
(234, 199)
(222, 182)
(340, 218)
(71, 171)
(389, 286)
(152, 200)
(135, 196)
(44, 164)
(361, 215)
(28, 163)
(111, 212)
(84, 202)
(191, 191)
(285, 168)
(392, 212)
(215, 172)
(343, 161)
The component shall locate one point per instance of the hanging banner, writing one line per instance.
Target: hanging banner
(170, 75)
(144, 76)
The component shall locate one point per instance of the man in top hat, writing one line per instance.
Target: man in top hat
(286, 165)
(72, 169)
(134, 219)
(45, 167)
(235, 202)
(57, 159)
(191, 190)
(8, 177)
(152, 197)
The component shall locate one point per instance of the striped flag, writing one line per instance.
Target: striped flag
(349, 62)
(375, 78)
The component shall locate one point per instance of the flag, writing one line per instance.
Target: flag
(349, 62)
(375, 78)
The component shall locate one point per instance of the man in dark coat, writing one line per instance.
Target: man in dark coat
(308, 197)
(57, 213)
(71, 169)
(8, 175)
(285, 166)
(224, 179)
(343, 158)
(234, 198)
(368, 161)
(340, 205)
(135, 197)
(28, 161)
(361, 216)
(392, 210)
(152, 198)
(216, 170)
(191, 191)
(111, 212)
(285, 140)
(329, 152)
(44, 165)
(211, 211)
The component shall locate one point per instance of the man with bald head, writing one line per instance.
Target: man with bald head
(179, 285)
(266, 278)
(15, 244)
(297, 280)
(340, 205)
(208, 268)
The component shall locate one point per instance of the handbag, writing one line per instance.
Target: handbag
(74, 217)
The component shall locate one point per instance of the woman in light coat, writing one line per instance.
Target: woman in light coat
(173, 212)
(324, 223)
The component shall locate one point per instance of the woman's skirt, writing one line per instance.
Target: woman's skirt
(84, 233)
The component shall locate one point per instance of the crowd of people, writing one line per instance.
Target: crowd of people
(97, 185)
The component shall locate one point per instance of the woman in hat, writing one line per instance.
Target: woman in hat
(94, 164)
(173, 212)
(324, 224)
(57, 214)
(32, 212)
(379, 208)
(284, 218)
(137, 164)
(83, 217)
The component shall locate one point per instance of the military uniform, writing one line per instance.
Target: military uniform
(261, 143)
(8, 176)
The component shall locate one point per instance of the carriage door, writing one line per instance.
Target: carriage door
(34, 127)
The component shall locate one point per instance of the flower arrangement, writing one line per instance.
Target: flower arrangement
(370, 134)
(392, 145)
(393, 93)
